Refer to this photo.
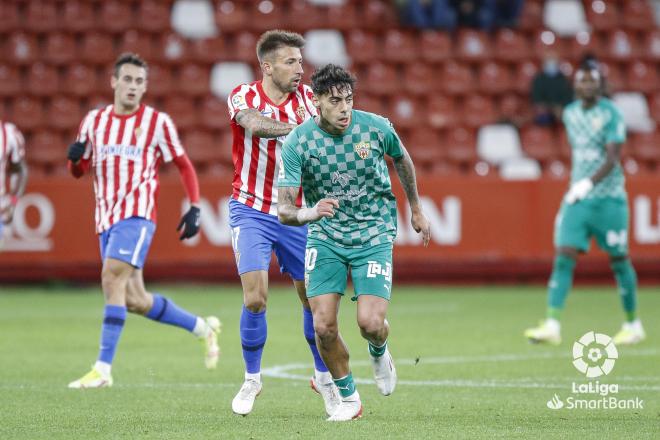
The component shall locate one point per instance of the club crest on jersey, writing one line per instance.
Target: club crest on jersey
(596, 122)
(238, 101)
(138, 132)
(362, 149)
(300, 111)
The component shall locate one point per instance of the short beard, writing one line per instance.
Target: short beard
(285, 88)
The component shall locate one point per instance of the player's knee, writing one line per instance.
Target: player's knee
(137, 305)
(326, 330)
(371, 325)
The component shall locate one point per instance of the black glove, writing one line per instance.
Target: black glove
(76, 151)
(190, 223)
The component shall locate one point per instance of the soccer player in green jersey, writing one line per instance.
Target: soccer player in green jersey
(340, 159)
(595, 206)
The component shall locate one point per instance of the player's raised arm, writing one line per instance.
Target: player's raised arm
(261, 126)
(405, 169)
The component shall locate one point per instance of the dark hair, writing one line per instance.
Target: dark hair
(329, 76)
(129, 58)
(272, 40)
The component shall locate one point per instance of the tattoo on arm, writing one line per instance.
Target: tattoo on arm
(613, 158)
(262, 126)
(406, 172)
(287, 212)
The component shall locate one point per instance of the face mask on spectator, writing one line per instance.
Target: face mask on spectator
(551, 67)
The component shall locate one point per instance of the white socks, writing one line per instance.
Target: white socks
(103, 368)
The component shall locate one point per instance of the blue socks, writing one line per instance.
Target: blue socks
(166, 311)
(254, 331)
(308, 330)
(113, 323)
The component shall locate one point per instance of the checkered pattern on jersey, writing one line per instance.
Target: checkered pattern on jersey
(333, 168)
(588, 132)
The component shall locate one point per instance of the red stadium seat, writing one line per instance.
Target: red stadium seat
(425, 147)
(539, 143)
(64, 113)
(646, 147)
(583, 43)
(266, 15)
(194, 80)
(201, 147)
(343, 17)
(97, 48)
(637, 15)
(435, 46)
(564, 146)
(304, 16)
(244, 47)
(642, 77)
(116, 16)
(154, 15)
(514, 109)
(10, 81)
(379, 14)
(214, 114)
(231, 16)
(621, 46)
(531, 17)
(494, 78)
(60, 49)
(406, 112)
(78, 16)
(41, 16)
(160, 82)
(472, 45)
(457, 79)
(100, 100)
(399, 47)
(362, 46)
(478, 110)
(545, 40)
(21, 48)
(137, 42)
(43, 80)
(28, 113)
(182, 110)
(511, 46)
(371, 103)
(47, 149)
(209, 50)
(613, 77)
(523, 76)
(381, 79)
(9, 16)
(652, 46)
(419, 79)
(81, 80)
(461, 146)
(441, 111)
(654, 107)
(172, 48)
(602, 15)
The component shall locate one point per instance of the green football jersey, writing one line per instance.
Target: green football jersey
(588, 132)
(351, 168)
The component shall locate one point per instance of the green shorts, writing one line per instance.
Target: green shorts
(327, 265)
(605, 219)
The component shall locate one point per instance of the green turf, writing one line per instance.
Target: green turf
(476, 377)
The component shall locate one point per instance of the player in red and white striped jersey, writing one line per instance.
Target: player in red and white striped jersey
(13, 170)
(262, 113)
(124, 144)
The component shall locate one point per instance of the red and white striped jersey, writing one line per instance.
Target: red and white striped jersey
(12, 150)
(256, 160)
(126, 152)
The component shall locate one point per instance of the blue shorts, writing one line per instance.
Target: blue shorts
(128, 241)
(255, 235)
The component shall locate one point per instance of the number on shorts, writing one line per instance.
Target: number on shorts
(310, 258)
(234, 237)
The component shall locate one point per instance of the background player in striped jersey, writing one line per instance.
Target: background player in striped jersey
(124, 144)
(262, 113)
(596, 205)
(340, 158)
(13, 170)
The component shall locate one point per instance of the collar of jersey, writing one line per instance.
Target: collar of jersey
(267, 98)
(115, 115)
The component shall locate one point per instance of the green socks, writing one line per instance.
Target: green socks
(377, 351)
(559, 285)
(626, 279)
(346, 385)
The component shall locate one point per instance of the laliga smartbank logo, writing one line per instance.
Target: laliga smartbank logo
(594, 355)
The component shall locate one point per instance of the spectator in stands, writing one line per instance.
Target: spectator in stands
(427, 14)
(506, 12)
(551, 91)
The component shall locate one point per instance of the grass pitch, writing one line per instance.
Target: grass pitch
(464, 369)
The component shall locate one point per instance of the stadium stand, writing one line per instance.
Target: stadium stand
(56, 55)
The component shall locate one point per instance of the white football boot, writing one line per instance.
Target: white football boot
(384, 372)
(548, 331)
(350, 408)
(631, 333)
(328, 392)
(211, 348)
(244, 400)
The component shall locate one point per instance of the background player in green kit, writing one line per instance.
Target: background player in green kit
(595, 206)
(340, 159)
